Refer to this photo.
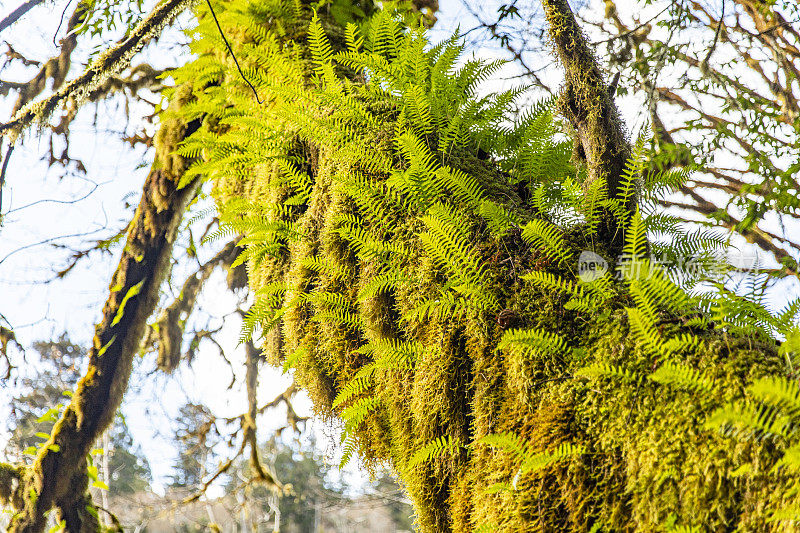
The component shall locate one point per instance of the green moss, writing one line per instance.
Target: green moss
(647, 456)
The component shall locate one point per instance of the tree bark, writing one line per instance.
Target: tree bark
(58, 478)
(586, 101)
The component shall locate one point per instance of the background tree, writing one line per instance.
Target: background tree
(196, 438)
(40, 396)
(316, 493)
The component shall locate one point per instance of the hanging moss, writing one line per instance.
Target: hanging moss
(428, 297)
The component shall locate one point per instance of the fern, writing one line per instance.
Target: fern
(548, 239)
(382, 283)
(433, 450)
(321, 51)
(317, 264)
(264, 312)
(528, 460)
(295, 357)
(748, 419)
(509, 442)
(605, 370)
(539, 461)
(356, 414)
(778, 392)
(532, 341)
(353, 38)
(635, 239)
(348, 450)
(357, 386)
(679, 375)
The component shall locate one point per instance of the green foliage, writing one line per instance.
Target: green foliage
(528, 459)
(532, 341)
(413, 259)
(433, 450)
(679, 375)
(546, 237)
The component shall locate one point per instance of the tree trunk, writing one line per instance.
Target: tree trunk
(513, 399)
(58, 477)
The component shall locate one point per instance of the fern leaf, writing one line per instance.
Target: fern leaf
(605, 370)
(433, 450)
(532, 341)
(678, 375)
(547, 238)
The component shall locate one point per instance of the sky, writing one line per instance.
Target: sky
(49, 211)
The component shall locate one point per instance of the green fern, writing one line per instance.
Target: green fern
(532, 341)
(548, 239)
(433, 450)
(605, 370)
(686, 377)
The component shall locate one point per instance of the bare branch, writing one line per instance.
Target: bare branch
(18, 13)
(112, 62)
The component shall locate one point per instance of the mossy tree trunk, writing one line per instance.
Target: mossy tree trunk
(58, 476)
(506, 395)
(493, 363)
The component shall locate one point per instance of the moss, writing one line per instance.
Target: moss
(647, 455)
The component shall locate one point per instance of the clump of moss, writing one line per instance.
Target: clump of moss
(402, 263)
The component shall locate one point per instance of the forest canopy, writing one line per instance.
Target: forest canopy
(531, 315)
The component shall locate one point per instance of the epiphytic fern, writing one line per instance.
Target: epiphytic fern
(433, 450)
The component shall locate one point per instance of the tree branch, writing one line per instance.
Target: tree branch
(57, 478)
(585, 99)
(110, 63)
(18, 13)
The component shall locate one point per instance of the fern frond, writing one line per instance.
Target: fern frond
(749, 419)
(433, 450)
(509, 442)
(357, 386)
(605, 370)
(779, 392)
(381, 283)
(645, 332)
(683, 376)
(548, 239)
(532, 341)
(448, 243)
(790, 460)
(300, 181)
(330, 268)
(635, 238)
(550, 281)
(353, 38)
(321, 51)
(293, 358)
(349, 449)
(542, 460)
(357, 413)
(499, 219)
(265, 310)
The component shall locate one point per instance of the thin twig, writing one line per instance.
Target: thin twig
(3, 174)
(225, 39)
(60, 22)
(18, 13)
(116, 59)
